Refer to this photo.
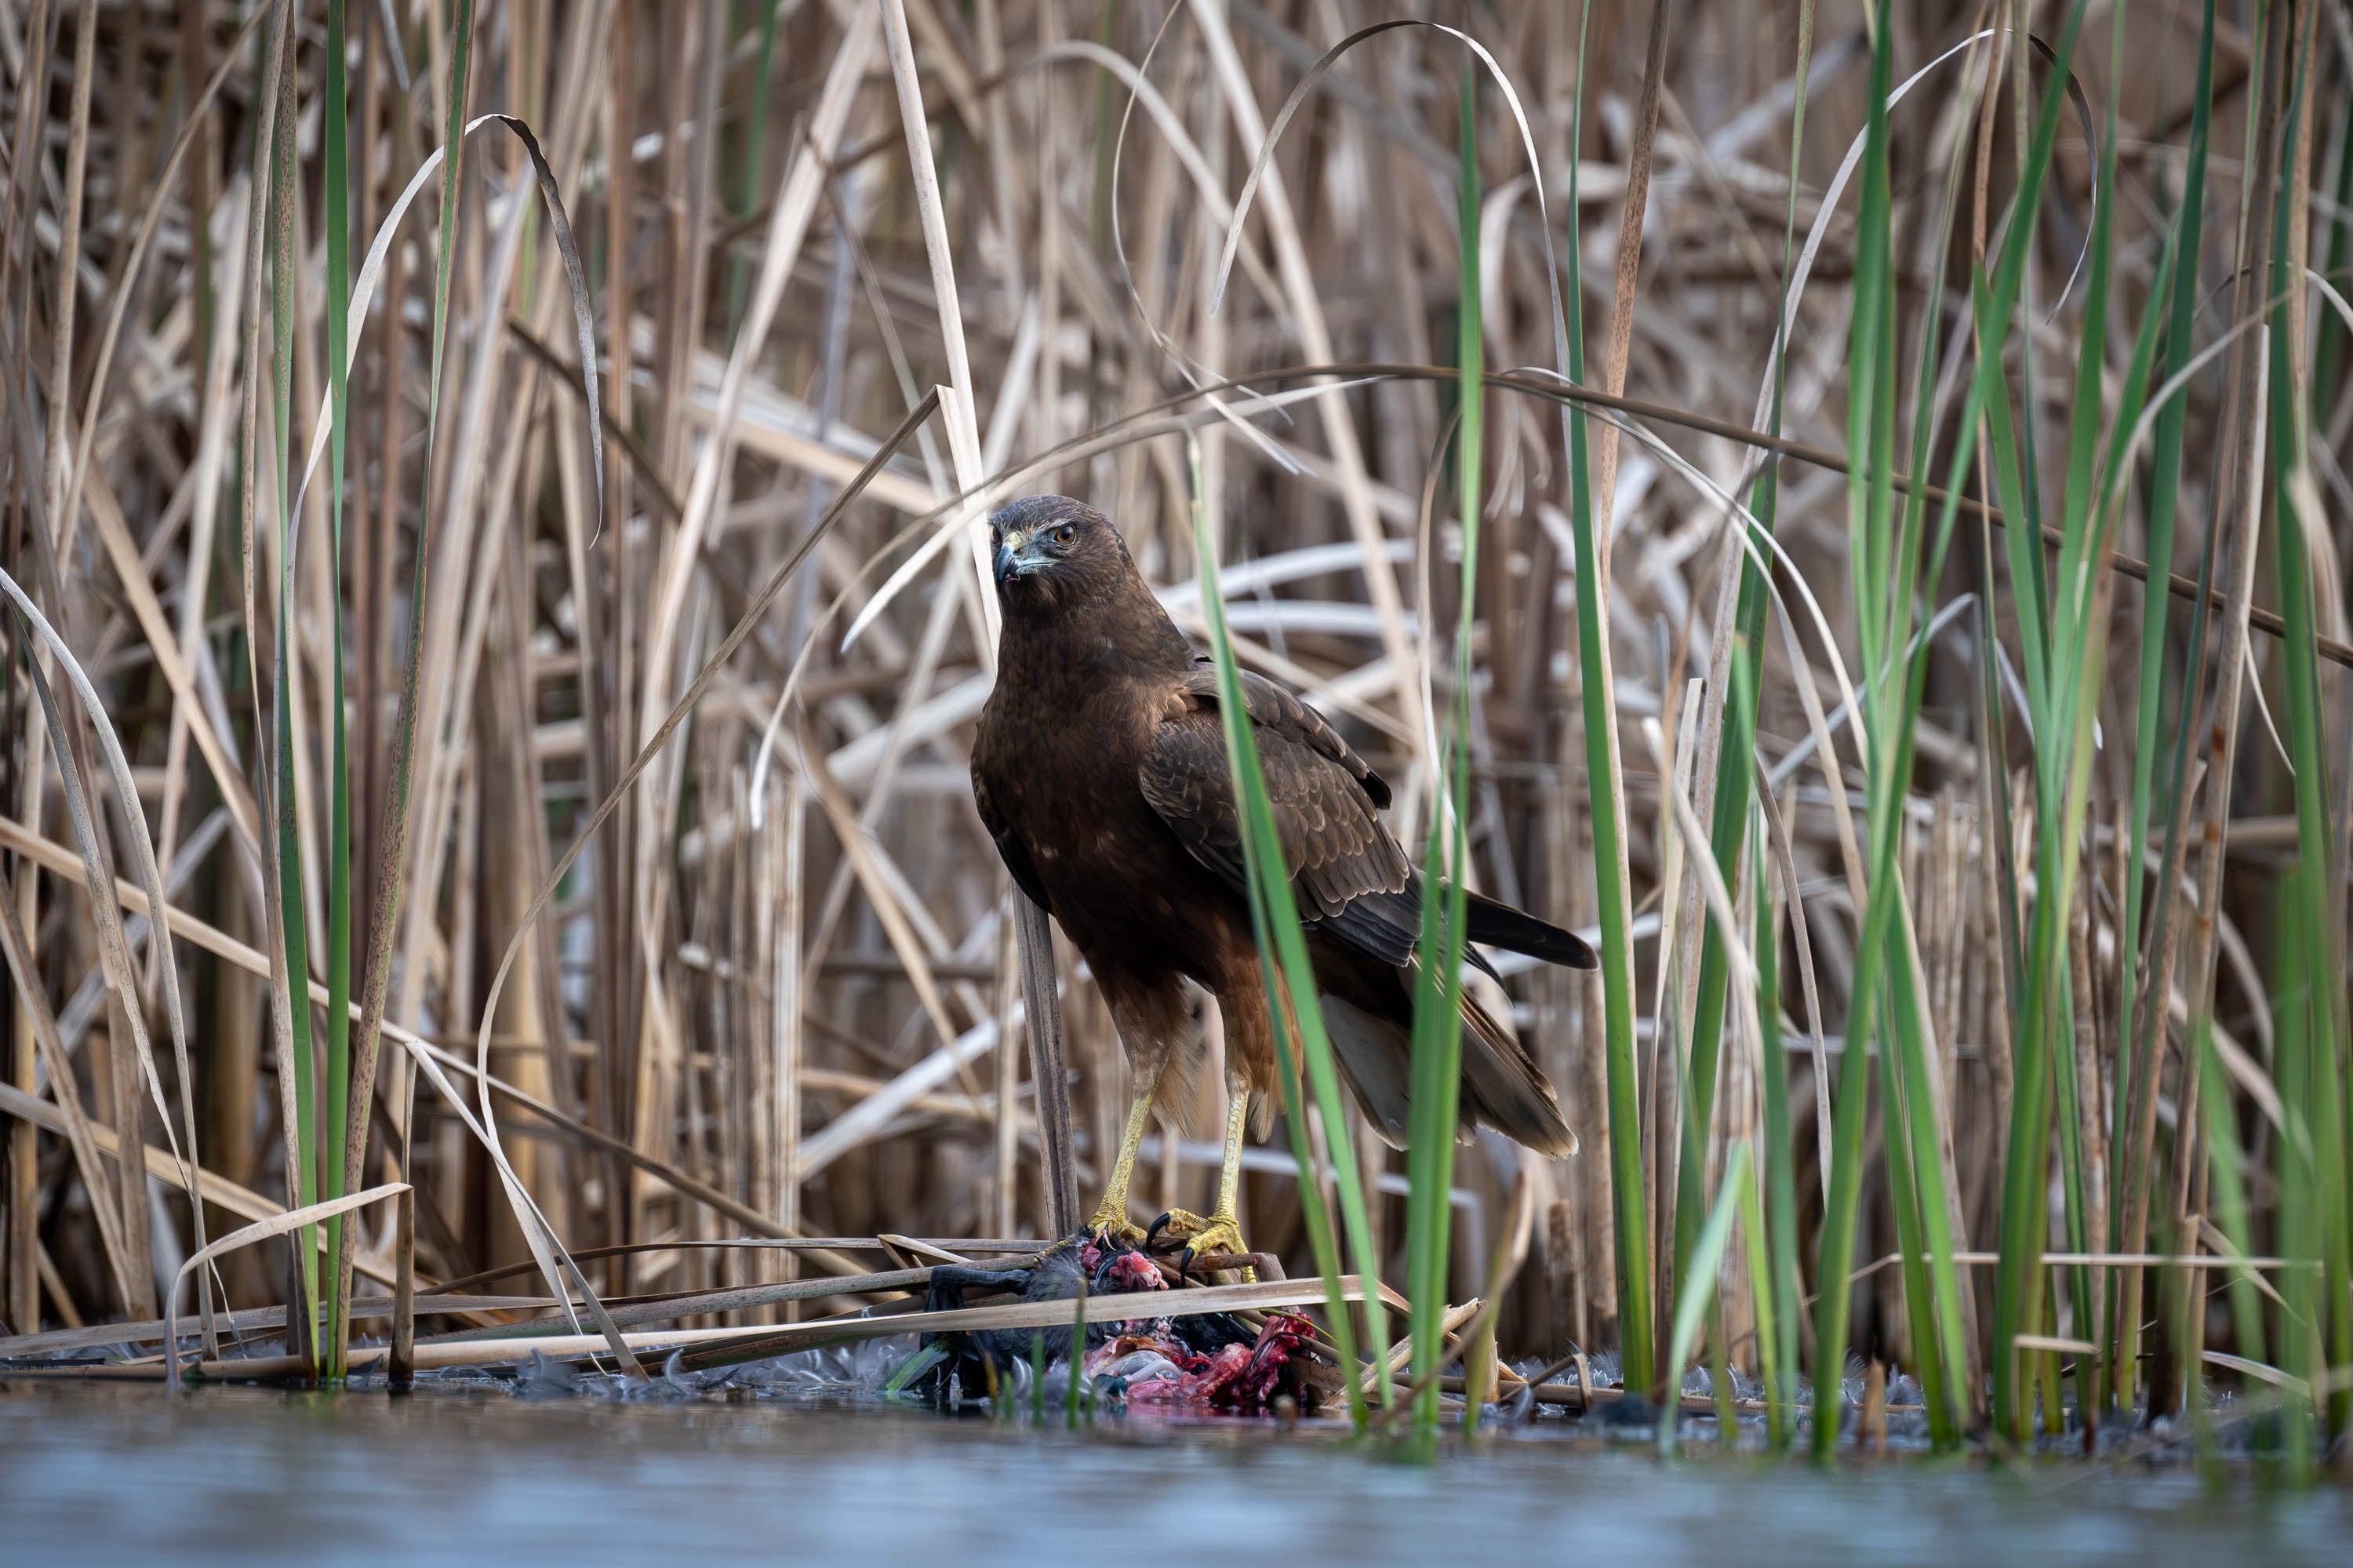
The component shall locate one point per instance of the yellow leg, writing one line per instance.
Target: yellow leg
(1110, 1214)
(1229, 1170)
(1223, 1231)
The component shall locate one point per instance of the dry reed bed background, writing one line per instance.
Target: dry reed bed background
(767, 998)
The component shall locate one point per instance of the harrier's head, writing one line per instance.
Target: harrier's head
(1053, 553)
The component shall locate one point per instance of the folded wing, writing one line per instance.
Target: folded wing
(1352, 879)
(1348, 875)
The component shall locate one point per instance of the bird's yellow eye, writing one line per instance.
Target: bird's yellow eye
(1065, 533)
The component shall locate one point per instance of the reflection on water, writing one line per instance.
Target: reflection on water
(119, 1473)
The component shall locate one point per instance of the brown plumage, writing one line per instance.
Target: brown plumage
(1099, 769)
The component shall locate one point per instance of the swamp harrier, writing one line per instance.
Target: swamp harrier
(1099, 769)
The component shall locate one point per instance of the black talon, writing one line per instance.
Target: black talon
(1183, 1262)
(1153, 1232)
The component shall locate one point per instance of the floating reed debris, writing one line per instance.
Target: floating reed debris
(1847, 510)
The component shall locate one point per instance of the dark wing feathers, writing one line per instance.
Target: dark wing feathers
(1503, 1089)
(1009, 847)
(1516, 931)
(1332, 839)
(1352, 879)
(1273, 708)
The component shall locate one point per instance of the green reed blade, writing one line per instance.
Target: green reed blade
(294, 930)
(1941, 1344)
(1887, 550)
(1780, 1167)
(2091, 359)
(2225, 1157)
(2128, 1167)
(2018, 1275)
(1728, 830)
(1433, 1109)
(2068, 1113)
(1598, 702)
(2295, 1227)
(1732, 809)
(1734, 805)
(2097, 1377)
(915, 1366)
(1693, 1303)
(752, 161)
(1993, 313)
(1921, 1173)
(1917, 1192)
(2165, 474)
(1871, 399)
(1290, 975)
(337, 1106)
(1434, 1106)
(1764, 1290)
(2313, 1177)
(1884, 561)
(392, 858)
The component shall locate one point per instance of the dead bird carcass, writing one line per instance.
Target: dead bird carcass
(1199, 1361)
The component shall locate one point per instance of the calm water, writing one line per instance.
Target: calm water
(120, 1474)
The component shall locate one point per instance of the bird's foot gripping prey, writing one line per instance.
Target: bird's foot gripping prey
(1218, 1235)
(1109, 1226)
(1099, 769)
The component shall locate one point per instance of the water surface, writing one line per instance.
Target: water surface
(119, 1473)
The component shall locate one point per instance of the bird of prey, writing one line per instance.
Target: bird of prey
(1100, 769)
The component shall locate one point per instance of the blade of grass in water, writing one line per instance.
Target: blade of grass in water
(2087, 645)
(1289, 973)
(1886, 551)
(293, 924)
(1917, 1144)
(2025, 1177)
(1731, 809)
(1692, 1304)
(337, 1106)
(2078, 652)
(1765, 1287)
(1922, 1176)
(2314, 1202)
(2017, 1275)
(541, 1241)
(1598, 701)
(2225, 1159)
(2134, 1072)
(1434, 1107)
(2073, 657)
(1778, 1347)
(393, 836)
(2296, 1228)
(1871, 399)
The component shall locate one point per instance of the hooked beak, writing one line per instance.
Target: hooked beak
(1015, 559)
